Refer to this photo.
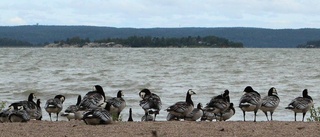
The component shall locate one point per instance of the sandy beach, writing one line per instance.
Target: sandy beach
(161, 129)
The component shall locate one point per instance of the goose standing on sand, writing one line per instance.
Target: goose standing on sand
(270, 102)
(183, 108)
(18, 114)
(301, 104)
(72, 112)
(150, 103)
(54, 105)
(29, 106)
(93, 99)
(218, 104)
(97, 116)
(130, 115)
(250, 101)
(195, 114)
(117, 104)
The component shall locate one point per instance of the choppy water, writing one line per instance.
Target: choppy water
(169, 72)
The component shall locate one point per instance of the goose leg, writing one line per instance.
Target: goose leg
(244, 115)
(50, 116)
(57, 116)
(255, 115)
(295, 116)
(271, 115)
(118, 116)
(303, 116)
(266, 113)
(155, 115)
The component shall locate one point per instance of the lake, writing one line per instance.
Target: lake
(168, 72)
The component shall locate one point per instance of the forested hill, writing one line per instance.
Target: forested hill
(250, 37)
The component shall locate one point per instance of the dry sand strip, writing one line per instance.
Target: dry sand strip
(161, 129)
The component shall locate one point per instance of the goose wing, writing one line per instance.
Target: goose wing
(179, 107)
(91, 100)
(300, 103)
(152, 102)
(270, 101)
(252, 98)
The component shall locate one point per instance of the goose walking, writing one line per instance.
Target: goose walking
(93, 99)
(183, 108)
(195, 114)
(97, 116)
(301, 104)
(117, 104)
(270, 103)
(150, 103)
(29, 106)
(72, 111)
(250, 101)
(218, 104)
(54, 105)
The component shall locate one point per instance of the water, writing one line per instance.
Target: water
(169, 72)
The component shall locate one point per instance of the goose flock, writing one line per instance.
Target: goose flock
(94, 109)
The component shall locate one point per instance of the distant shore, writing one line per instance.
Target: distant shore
(162, 129)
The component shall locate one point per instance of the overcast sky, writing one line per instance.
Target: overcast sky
(275, 14)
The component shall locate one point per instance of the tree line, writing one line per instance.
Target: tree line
(6, 42)
(148, 41)
(310, 44)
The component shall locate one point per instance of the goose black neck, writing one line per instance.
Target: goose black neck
(100, 90)
(78, 100)
(119, 95)
(30, 98)
(130, 115)
(188, 99)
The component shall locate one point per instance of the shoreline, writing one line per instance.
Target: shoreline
(162, 128)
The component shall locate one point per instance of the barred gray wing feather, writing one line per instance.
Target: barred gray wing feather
(300, 103)
(91, 100)
(270, 101)
(251, 97)
(179, 107)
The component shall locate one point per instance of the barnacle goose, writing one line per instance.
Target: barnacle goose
(93, 98)
(150, 103)
(18, 114)
(72, 112)
(227, 114)
(301, 104)
(97, 116)
(29, 106)
(218, 104)
(54, 105)
(270, 102)
(250, 101)
(195, 114)
(117, 104)
(182, 108)
(147, 117)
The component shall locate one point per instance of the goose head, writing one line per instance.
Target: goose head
(144, 92)
(60, 97)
